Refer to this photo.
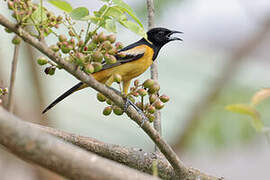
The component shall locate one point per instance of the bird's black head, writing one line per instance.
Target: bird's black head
(160, 36)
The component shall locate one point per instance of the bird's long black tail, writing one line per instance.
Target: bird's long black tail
(63, 96)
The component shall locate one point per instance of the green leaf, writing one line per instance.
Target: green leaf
(63, 5)
(79, 13)
(110, 25)
(133, 27)
(114, 12)
(247, 110)
(260, 96)
(37, 15)
(126, 8)
(100, 11)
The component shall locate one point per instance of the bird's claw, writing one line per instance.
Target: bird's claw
(130, 103)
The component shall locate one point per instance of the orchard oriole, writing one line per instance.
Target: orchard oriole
(136, 60)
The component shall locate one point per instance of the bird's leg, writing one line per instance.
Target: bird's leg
(128, 103)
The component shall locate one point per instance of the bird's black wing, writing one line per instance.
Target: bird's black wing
(132, 52)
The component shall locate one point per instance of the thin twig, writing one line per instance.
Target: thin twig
(163, 146)
(50, 152)
(227, 73)
(154, 68)
(10, 101)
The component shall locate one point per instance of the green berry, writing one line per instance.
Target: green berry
(110, 59)
(164, 98)
(62, 38)
(97, 66)
(119, 45)
(142, 92)
(151, 117)
(154, 88)
(151, 109)
(152, 98)
(92, 46)
(54, 47)
(101, 97)
(42, 61)
(8, 30)
(101, 37)
(159, 105)
(97, 56)
(107, 45)
(50, 70)
(89, 68)
(107, 111)
(117, 111)
(111, 38)
(148, 83)
(16, 40)
(112, 51)
(109, 102)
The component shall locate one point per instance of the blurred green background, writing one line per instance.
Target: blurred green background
(200, 75)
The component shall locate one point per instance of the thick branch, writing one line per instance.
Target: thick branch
(47, 151)
(132, 157)
(179, 167)
(12, 78)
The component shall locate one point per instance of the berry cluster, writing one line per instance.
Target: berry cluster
(26, 13)
(137, 95)
(88, 56)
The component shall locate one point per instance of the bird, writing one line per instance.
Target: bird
(138, 57)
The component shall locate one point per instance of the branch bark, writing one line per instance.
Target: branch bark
(132, 157)
(12, 78)
(47, 151)
(154, 67)
(167, 151)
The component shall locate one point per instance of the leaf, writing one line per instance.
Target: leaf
(60, 4)
(260, 96)
(247, 110)
(79, 13)
(114, 12)
(37, 15)
(126, 8)
(133, 27)
(110, 25)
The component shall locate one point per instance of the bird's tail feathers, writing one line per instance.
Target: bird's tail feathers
(75, 88)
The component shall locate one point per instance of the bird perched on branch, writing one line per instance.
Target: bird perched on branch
(136, 60)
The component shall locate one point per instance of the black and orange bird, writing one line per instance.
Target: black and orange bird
(136, 60)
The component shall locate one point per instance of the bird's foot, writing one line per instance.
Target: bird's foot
(128, 103)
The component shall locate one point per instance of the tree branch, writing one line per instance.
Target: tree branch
(47, 151)
(12, 78)
(167, 151)
(154, 67)
(132, 157)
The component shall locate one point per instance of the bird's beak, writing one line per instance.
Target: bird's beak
(171, 38)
